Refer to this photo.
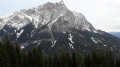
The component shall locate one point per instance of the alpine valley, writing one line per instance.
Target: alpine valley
(53, 27)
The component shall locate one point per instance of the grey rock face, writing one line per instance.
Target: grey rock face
(54, 27)
(48, 14)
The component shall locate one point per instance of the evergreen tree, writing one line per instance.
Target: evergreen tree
(100, 58)
(55, 60)
(10, 50)
(87, 60)
(29, 59)
(49, 61)
(39, 57)
(34, 58)
(118, 62)
(109, 59)
(18, 55)
(46, 61)
(24, 59)
(80, 62)
(4, 58)
(61, 59)
(74, 63)
(67, 59)
(93, 59)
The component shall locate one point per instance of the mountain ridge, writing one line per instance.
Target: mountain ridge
(24, 14)
(54, 27)
(117, 34)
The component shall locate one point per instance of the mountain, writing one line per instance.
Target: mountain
(54, 27)
(117, 34)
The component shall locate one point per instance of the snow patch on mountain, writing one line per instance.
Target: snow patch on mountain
(38, 44)
(94, 40)
(54, 43)
(22, 47)
(99, 41)
(4, 30)
(32, 33)
(70, 38)
(111, 48)
(29, 17)
(105, 45)
(5, 16)
(18, 34)
(95, 31)
(71, 46)
(4, 20)
(64, 32)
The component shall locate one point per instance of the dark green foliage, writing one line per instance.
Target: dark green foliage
(4, 58)
(13, 56)
(74, 64)
(87, 60)
(118, 62)
(67, 59)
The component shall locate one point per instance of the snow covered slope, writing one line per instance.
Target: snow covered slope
(48, 13)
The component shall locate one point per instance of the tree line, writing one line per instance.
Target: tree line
(12, 56)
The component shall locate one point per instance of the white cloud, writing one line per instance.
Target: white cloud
(103, 14)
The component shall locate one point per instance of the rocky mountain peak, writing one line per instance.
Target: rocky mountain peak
(61, 2)
(48, 14)
(54, 27)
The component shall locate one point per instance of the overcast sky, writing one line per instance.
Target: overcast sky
(103, 14)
